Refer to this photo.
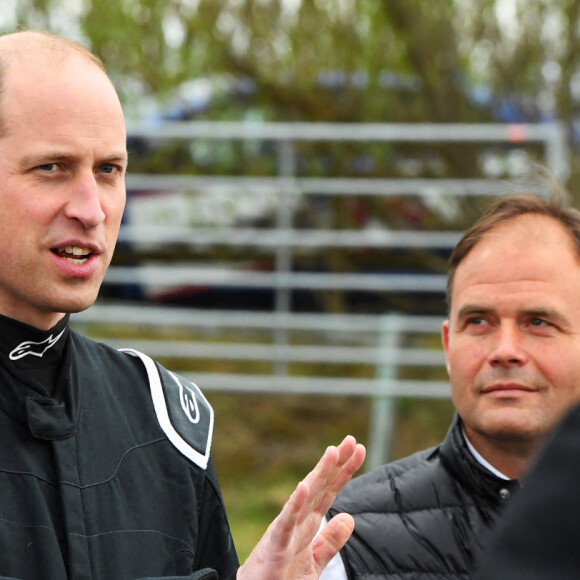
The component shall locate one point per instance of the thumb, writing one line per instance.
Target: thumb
(331, 539)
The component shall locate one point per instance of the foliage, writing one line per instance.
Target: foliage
(401, 60)
(324, 60)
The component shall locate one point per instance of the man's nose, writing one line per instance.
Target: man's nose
(85, 202)
(507, 348)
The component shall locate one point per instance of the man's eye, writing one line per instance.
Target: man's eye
(477, 320)
(47, 166)
(107, 168)
(538, 322)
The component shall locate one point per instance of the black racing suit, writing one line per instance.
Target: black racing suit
(91, 485)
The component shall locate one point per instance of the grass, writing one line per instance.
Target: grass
(263, 445)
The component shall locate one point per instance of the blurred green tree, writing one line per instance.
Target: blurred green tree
(400, 60)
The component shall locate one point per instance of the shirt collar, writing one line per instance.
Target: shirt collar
(480, 459)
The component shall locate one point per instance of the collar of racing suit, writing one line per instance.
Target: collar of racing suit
(34, 378)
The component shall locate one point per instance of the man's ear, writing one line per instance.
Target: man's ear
(445, 341)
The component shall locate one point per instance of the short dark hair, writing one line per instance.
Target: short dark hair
(506, 209)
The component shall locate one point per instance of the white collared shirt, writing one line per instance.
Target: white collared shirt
(480, 459)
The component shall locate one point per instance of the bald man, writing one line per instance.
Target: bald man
(105, 465)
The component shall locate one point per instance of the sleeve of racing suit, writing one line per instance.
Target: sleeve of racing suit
(215, 549)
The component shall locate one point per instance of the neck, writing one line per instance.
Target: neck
(510, 456)
(39, 320)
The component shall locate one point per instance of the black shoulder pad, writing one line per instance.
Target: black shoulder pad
(183, 412)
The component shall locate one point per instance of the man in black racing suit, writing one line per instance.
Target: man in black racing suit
(105, 469)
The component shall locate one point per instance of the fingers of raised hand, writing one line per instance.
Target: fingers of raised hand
(315, 494)
(333, 471)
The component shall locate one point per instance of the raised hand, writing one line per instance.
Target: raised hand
(289, 549)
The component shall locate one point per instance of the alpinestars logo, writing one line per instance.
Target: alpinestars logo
(34, 348)
(188, 403)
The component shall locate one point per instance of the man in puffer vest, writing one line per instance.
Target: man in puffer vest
(512, 344)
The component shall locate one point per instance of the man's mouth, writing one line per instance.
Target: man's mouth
(74, 254)
(507, 387)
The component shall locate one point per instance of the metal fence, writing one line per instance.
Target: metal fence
(288, 342)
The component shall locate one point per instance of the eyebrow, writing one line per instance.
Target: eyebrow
(60, 155)
(472, 309)
(122, 159)
(548, 313)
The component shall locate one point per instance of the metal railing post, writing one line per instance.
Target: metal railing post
(284, 223)
(382, 420)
